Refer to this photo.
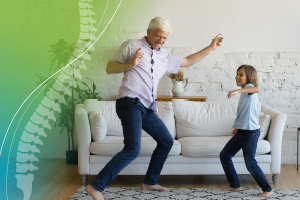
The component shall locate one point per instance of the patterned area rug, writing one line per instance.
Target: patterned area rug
(122, 193)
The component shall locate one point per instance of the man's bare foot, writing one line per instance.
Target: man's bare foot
(265, 194)
(146, 187)
(231, 189)
(94, 193)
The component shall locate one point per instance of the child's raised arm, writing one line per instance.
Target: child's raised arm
(243, 90)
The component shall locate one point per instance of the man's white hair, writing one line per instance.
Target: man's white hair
(160, 24)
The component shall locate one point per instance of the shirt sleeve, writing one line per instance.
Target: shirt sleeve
(121, 56)
(174, 63)
(249, 85)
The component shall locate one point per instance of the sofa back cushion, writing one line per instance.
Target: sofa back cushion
(114, 128)
(194, 119)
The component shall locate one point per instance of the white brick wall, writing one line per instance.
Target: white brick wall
(279, 79)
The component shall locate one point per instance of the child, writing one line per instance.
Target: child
(246, 132)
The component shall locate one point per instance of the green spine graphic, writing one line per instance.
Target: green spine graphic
(30, 138)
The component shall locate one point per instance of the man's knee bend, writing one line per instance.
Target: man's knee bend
(134, 153)
(171, 142)
(131, 152)
(168, 143)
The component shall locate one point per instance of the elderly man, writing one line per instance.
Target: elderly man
(143, 62)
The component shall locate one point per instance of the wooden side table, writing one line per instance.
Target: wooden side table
(189, 98)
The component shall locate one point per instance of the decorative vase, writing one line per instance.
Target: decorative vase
(178, 88)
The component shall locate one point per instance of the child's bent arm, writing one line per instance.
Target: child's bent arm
(243, 90)
(249, 90)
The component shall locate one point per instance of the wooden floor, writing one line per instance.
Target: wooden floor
(56, 180)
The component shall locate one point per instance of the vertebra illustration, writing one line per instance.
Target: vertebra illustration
(27, 179)
(32, 128)
(23, 168)
(24, 157)
(29, 137)
(45, 111)
(24, 147)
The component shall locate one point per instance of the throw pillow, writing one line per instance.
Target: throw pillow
(264, 122)
(98, 126)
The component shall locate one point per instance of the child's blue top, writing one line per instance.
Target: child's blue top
(247, 111)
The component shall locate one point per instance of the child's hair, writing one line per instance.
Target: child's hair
(251, 74)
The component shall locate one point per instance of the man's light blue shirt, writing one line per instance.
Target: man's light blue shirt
(247, 111)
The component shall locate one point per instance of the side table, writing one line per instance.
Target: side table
(189, 98)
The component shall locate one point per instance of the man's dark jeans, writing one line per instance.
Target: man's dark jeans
(246, 140)
(134, 117)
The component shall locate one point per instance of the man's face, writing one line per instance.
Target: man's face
(156, 38)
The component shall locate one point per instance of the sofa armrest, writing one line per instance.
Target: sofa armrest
(275, 136)
(83, 139)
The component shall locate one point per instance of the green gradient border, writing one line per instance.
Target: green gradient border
(11, 53)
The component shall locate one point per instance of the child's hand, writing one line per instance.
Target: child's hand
(234, 131)
(234, 92)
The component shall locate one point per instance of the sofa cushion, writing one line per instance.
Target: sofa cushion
(264, 123)
(114, 128)
(182, 160)
(111, 145)
(212, 146)
(194, 119)
(98, 126)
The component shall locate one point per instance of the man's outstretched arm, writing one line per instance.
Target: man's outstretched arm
(196, 57)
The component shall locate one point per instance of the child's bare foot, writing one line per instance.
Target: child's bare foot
(231, 189)
(94, 193)
(146, 187)
(265, 194)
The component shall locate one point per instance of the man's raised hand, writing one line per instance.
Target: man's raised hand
(137, 57)
(216, 42)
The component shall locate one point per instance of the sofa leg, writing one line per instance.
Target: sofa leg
(274, 178)
(83, 179)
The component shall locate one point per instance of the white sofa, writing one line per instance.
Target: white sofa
(200, 131)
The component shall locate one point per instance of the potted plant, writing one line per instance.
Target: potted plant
(89, 92)
(66, 121)
(62, 52)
